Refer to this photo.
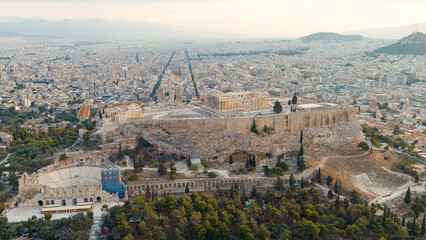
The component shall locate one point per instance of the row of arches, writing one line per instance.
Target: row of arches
(63, 202)
(206, 184)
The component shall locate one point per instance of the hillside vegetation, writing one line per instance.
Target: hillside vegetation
(411, 44)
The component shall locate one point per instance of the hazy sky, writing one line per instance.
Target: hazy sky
(273, 18)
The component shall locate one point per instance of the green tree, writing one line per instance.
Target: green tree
(63, 157)
(279, 185)
(289, 102)
(329, 180)
(301, 150)
(30, 229)
(330, 194)
(246, 233)
(300, 163)
(294, 99)
(187, 188)
(423, 229)
(162, 170)
(318, 177)
(301, 137)
(277, 107)
(254, 128)
(292, 181)
(407, 198)
(231, 161)
(364, 146)
(396, 130)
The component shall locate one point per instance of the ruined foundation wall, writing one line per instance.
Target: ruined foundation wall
(293, 122)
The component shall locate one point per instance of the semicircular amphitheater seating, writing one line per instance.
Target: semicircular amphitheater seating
(68, 177)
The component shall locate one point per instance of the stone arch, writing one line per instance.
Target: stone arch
(63, 202)
(86, 200)
(99, 199)
(74, 201)
(192, 184)
(91, 200)
(40, 203)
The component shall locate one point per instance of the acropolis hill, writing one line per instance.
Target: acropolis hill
(218, 137)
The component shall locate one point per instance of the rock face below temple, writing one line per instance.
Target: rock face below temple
(221, 143)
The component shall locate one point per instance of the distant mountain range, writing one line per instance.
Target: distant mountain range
(324, 36)
(414, 43)
(391, 32)
(98, 29)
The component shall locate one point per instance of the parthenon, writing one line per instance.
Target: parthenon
(234, 101)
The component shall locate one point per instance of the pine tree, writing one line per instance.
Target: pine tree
(277, 107)
(294, 99)
(423, 231)
(407, 198)
(231, 161)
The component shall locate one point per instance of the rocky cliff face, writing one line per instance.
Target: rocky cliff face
(219, 145)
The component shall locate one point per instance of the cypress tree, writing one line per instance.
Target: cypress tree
(413, 228)
(294, 99)
(337, 203)
(403, 221)
(302, 183)
(384, 216)
(336, 187)
(187, 189)
(148, 192)
(407, 198)
(330, 194)
(231, 161)
(253, 192)
(291, 181)
(30, 229)
(423, 231)
(318, 177)
(289, 102)
(329, 180)
(301, 150)
(301, 137)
